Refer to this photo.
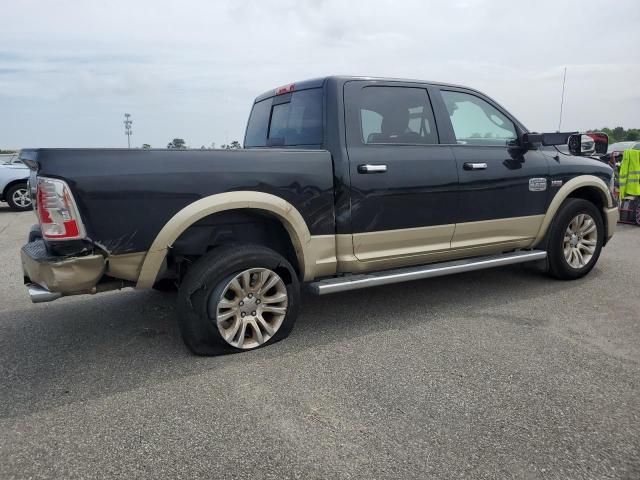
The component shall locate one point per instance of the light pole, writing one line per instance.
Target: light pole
(127, 128)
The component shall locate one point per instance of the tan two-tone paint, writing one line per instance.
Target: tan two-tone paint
(324, 255)
(565, 191)
(316, 254)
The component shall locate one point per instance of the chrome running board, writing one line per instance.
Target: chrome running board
(356, 281)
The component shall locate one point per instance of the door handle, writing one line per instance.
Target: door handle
(369, 168)
(475, 166)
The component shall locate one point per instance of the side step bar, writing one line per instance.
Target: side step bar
(354, 282)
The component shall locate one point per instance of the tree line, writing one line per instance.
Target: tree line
(180, 144)
(619, 134)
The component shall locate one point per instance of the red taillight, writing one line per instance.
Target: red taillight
(285, 89)
(57, 210)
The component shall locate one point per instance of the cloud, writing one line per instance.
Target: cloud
(192, 68)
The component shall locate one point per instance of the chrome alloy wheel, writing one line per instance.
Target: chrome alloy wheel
(580, 240)
(251, 308)
(21, 197)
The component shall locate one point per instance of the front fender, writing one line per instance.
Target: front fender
(565, 191)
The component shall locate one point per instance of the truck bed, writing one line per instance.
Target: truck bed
(131, 194)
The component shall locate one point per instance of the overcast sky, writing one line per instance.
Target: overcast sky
(190, 69)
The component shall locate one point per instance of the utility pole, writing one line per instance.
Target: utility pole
(564, 79)
(127, 128)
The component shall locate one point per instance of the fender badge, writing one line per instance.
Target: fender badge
(556, 183)
(537, 184)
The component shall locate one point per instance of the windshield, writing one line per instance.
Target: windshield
(288, 120)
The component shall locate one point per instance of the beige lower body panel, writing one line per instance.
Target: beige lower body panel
(126, 266)
(371, 251)
(401, 243)
(331, 254)
(351, 264)
(499, 231)
(322, 255)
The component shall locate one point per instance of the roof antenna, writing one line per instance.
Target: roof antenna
(564, 79)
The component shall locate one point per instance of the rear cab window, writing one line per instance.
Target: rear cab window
(287, 120)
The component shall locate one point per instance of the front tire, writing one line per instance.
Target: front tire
(237, 298)
(575, 240)
(18, 197)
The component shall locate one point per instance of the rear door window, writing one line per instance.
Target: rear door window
(293, 119)
(396, 115)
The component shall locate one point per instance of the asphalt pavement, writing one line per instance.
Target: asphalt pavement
(503, 373)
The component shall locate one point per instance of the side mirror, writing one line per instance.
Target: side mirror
(587, 144)
(530, 140)
(602, 142)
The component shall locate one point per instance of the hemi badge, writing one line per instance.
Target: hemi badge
(556, 183)
(537, 184)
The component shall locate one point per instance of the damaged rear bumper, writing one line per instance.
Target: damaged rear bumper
(49, 277)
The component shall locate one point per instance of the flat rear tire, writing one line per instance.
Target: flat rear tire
(237, 298)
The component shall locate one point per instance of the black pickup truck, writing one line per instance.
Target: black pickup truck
(344, 183)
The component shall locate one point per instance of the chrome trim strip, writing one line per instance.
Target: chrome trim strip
(354, 282)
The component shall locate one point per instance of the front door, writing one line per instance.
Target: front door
(503, 189)
(403, 182)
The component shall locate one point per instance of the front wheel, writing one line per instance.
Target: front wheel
(237, 298)
(575, 240)
(18, 197)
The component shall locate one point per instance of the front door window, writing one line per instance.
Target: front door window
(477, 122)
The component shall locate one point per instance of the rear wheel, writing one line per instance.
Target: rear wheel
(237, 298)
(18, 197)
(576, 239)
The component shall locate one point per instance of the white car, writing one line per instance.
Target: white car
(622, 146)
(13, 183)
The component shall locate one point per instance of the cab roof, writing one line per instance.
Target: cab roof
(320, 81)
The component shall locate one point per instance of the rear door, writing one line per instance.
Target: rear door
(503, 188)
(403, 182)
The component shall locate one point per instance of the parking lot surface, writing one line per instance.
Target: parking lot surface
(497, 374)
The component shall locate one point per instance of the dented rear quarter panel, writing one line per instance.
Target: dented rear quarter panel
(125, 197)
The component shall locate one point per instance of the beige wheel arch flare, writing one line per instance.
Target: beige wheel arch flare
(567, 189)
(283, 210)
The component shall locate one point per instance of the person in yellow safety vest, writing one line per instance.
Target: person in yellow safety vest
(630, 174)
